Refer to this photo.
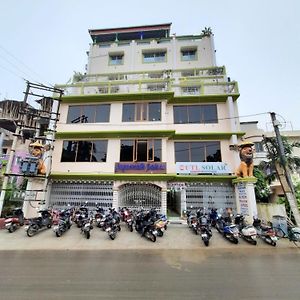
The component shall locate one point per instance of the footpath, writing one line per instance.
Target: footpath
(178, 236)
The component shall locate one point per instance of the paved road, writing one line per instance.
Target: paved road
(265, 273)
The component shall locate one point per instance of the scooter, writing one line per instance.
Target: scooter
(36, 224)
(192, 221)
(13, 222)
(266, 233)
(229, 230)
(86, 227)
(247, 232)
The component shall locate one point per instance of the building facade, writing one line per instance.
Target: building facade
(152, 123)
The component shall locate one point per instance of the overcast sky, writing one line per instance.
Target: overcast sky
(258, 41)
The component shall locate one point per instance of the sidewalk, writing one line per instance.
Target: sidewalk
(178, 236)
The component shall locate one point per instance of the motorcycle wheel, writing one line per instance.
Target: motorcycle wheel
(235, 241)
(31, 231)
(11, 229)
(112, 236)
(119, 228)
(87, 234)
(206, 243)
(130, 228)
(160, 233)
(58, 233)
(49, 225)
(273, 243)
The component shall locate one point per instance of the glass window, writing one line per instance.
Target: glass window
(180, 114)
(69, 151)
(140, 150)
(99, 151)
(155, 111)
(194, 112)
(184, 114)
(153, 57)
(182, 152)
(259, 147)
(188, 55)
(84, 151)
(209, 114)
(213, 151)
(128, 112)
(116, 59)
(190, 90)
(102, 113)
(126, 150)
(197, 152)
(141, 112)
(89, 113)
(74, 114)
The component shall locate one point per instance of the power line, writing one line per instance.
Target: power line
(28, 68)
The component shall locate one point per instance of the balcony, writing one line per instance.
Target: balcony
(188, 85)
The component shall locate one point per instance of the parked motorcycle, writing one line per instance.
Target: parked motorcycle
(39, 223)
(64, 223)
(127, 217)
(227, 229)
(205, 230)
(247, 232)
(86, 227)
(13, 222)
(192, 221)
(112, 227)
(265, 232)
(213, 216)
(144, 225)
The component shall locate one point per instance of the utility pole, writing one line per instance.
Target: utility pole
(288, 188)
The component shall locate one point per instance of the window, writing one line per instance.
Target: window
(140, 150)
(135, 112)
(200, 114)
(88, 113)
(154, 57)
(116, 59)
(84, 151)
(259, 147)
(197, 151)
(190, 90)
(189, 54)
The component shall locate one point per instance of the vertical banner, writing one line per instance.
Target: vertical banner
(242, 197)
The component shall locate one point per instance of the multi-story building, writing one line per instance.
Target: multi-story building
(152, 123)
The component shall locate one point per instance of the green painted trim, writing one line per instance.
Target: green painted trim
(222, 98)
(117, 97)
(141, 177)
(114, 134)
(206, 135)
(244, 180)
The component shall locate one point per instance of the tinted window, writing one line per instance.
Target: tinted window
(209, 114)
(73, 114)
(182, 152)
(194, 112)
(180, 114)
(128, 112)
(102, 113)
(126, 150)
(197, 152)
(154, 111)
(213, 152)
(99, 151)
(69, 151)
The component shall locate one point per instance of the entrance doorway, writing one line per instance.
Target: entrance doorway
(173, 203)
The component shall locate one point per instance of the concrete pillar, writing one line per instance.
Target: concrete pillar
(164, 201)
(245, 197)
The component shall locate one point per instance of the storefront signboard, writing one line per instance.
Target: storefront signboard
(202, 168)
(141, 167)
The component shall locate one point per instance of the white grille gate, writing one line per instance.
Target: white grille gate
(217, 195)
(138, 195)
(78, 193)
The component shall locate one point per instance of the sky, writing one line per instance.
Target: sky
(258, 42)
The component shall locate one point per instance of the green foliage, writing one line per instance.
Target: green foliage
(206, 32)
(78, 77)
(262, 189)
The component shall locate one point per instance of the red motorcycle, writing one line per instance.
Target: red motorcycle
(13, 222)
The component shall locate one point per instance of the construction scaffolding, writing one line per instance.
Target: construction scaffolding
(34, 122)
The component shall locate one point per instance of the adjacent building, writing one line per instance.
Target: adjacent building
(152, 123)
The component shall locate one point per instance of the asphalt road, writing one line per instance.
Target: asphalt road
(236, 273)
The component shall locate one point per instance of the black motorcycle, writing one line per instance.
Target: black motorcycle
(205, 230)
(39, 223)
(86, 227)
(64, 223)
(144, 225)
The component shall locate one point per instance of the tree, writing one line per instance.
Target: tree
(280, 167)
(262, 189)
